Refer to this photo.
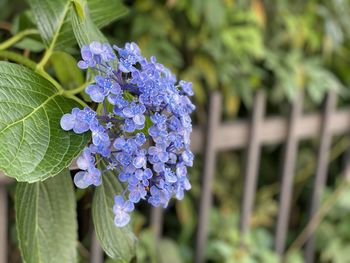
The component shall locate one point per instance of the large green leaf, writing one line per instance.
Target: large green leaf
(33, 145)
(118, 243)
(46, 220)
(84, 29)
(53, 20)
(103, 12)
(50, 16)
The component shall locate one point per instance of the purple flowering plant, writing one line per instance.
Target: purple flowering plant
(140, 129)
(126, 124)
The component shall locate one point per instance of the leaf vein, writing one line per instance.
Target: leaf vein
(30, 114)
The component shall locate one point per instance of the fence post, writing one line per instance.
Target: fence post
(214, 113)
(96, 255)
(252, 162)
(288, 169)
(3, 223)
(157, 214)
(322, 167)
(346, 165)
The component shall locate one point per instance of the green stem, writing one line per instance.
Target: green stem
(44, 74)
(77, 90)
(99, 108)
(50, 49)
(9, 42)
(45, 59)
(32, 65)
(18, 59)
(81, 102)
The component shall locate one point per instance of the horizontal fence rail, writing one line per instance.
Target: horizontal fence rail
(250, 134)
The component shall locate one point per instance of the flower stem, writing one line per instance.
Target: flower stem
(81, 102)
(44, 74)
(14, 39)
(51, 47)
(46, 57)
(18, 59)
(32, 65)
(79, 89)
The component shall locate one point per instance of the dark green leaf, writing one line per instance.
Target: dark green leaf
(79, 9)
(85, 30)
(66, 69)
(103, 12)
(53, 19)
(46, 220)
(24, 21)
(30, 44)
(50, 17)
(169, 252)
(33, 146)
(118, 243)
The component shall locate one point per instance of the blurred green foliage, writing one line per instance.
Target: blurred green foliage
(241, 46)
(333, 235)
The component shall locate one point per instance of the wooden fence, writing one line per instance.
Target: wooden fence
(250, 135)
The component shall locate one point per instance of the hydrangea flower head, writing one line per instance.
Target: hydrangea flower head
(144, 136)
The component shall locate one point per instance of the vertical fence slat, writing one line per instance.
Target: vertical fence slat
(346, 165)
(287, 175)
(252, 162)
(96, 254)
(322, 167)
(3, 224)
(157, 214)
(208, 175)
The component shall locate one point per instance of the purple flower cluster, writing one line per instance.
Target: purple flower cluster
(142, 129)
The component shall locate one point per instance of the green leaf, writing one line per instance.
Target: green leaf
(54, 22)
(46, 220)
(85, 30)
(103, 12)
(146, 248)
(66, 70)
(79, 9)
(118, 243)
(50, 17)
(24, 21)
(214, 11)
(33, 145)
(169, 251)
(30, 44)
